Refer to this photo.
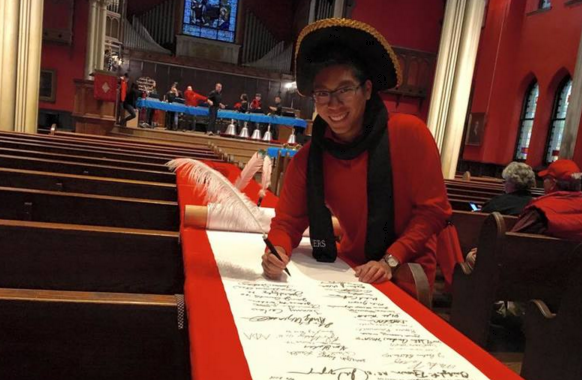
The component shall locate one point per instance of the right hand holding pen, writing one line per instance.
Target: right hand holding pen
(272, 266)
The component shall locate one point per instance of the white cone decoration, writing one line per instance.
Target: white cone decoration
(231, 130)
(267, 137)
(244, 133)
(291, 139)
(256, 134)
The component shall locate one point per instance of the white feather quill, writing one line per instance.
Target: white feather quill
(266, 177)
(248, 173)
(236, 207)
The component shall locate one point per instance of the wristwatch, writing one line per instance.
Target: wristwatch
(392, 261)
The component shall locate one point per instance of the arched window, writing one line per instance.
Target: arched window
(528, 114)
(558, 121)
(545, 4)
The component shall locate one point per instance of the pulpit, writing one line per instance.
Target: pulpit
(92, 116)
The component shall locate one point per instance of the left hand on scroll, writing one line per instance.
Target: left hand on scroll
(374, 272)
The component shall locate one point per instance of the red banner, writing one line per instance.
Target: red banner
(105, 87)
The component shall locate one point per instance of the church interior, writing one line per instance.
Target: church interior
(133, 133)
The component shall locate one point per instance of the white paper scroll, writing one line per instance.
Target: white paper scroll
(322, 324)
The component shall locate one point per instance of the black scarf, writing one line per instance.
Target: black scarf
(374, 139)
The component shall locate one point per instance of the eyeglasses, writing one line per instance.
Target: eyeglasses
(343, 94)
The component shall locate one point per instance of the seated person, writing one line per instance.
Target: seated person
(559, 212)
(519, 179)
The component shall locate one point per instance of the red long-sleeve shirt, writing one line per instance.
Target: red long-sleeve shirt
(193, 98)
(421, 207)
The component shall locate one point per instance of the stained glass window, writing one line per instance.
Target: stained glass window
(210, 19)
(526, 123)
(558, 120)
(545, 4)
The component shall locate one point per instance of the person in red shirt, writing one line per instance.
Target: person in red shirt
(193, 99)
(559, 212)
(123, 80)
(379, 174)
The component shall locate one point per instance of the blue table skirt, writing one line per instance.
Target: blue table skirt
(273, 152)
(223, 114)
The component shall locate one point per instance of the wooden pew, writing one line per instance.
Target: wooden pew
(61, 166)
(97, 210)
(71, 183)
(55, 256)
(536, 191)
(469, 224)
(133, 141)
(116, 143)
(510, 266)
(55, 335)
(124, 164)
(554, 340)
(119, 153)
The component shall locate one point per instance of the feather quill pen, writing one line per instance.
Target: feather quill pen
(265, 178)
(249, 171)
(236, 206)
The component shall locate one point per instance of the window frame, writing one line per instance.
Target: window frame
(553, 117)
(522, 118)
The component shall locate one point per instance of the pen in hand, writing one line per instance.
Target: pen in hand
(274, 251)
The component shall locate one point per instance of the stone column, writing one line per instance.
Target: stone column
(453, 77)
(96, 36)
(101, 26)
(29, 55)
(574, 110)
(90, 53)
(20, 53)
(8, 58)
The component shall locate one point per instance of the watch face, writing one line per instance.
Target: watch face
(392, 262)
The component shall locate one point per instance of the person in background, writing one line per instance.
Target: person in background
(256, 104)
(130, 103)
(244, 104)
(559, 212)
(215, 102)
(192, 99)
(150, 111)
(123, 80)
(276, 110)
(519, 179)
(256, 107)
(170, 116)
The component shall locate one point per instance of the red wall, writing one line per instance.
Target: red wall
(413, 24)
(67, 60)
(514, 49)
